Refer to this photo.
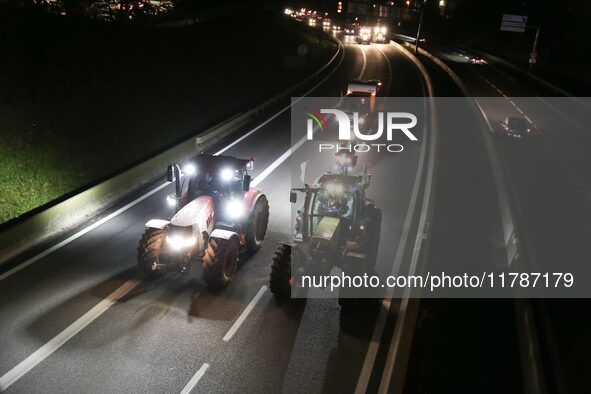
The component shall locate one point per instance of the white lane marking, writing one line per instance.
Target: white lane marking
(261, 177)
(195, 379)
(373, 348)
(54, 344)
(80, 233)
(583, 131)
(157, 189)
(244, 314)
(362, 71)
(389, 69)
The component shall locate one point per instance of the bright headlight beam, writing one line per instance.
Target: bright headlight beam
(234, 208)
(189, 169)
(227, 174)
(170, 200)
(179, 242)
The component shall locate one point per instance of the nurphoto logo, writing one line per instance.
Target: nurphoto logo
(388, 124)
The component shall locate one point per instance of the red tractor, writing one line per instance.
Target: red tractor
(217, 217)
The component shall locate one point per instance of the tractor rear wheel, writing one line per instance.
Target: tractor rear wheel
(256, 228)
(220, 262)
(148, 252)
(280, 282)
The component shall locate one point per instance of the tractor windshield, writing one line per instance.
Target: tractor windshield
(333, 204)
(211, 182)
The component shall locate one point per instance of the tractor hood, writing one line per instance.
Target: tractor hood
(198, 214)
(327, 229)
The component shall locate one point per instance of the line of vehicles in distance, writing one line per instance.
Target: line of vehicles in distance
(363, 34)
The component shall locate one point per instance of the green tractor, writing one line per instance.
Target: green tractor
(337, 225)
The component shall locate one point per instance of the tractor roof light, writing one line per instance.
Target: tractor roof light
(335, 188)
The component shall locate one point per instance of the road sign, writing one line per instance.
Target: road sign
(514, 23)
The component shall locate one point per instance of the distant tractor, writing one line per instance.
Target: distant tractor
(218, 216)
(336, 226)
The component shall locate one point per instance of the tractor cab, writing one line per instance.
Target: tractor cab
(330, 208)
(223, 176)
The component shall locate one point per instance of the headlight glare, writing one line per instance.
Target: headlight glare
(234, 209)
(177, 241)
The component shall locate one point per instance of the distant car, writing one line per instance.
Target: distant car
(349, 31)
(515, 127)
(477, 60)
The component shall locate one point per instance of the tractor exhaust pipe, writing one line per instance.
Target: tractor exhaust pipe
(173, 174)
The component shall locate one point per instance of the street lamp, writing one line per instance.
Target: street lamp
(419, 28)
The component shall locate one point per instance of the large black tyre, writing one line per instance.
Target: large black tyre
(148, 252)
(220, 262)
(280, 281)
(256, 227)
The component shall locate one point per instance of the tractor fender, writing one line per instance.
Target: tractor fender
(157, 224)
(250, 199)
(223, 234)
(198, 214)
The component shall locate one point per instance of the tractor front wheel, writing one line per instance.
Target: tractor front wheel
(220, 262)
(148, 252)
(280, 282)
(256, 228)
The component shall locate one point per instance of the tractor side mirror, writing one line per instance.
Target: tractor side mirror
(170, 173)
(293, 197)
(246, 183)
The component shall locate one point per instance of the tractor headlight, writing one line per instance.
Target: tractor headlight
(171, 199)
(234, 209)
(189, 169)
(334, 188)
(178, 241)
(227, 174)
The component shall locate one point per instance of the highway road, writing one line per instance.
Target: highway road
(83, 319)
(548, 179)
